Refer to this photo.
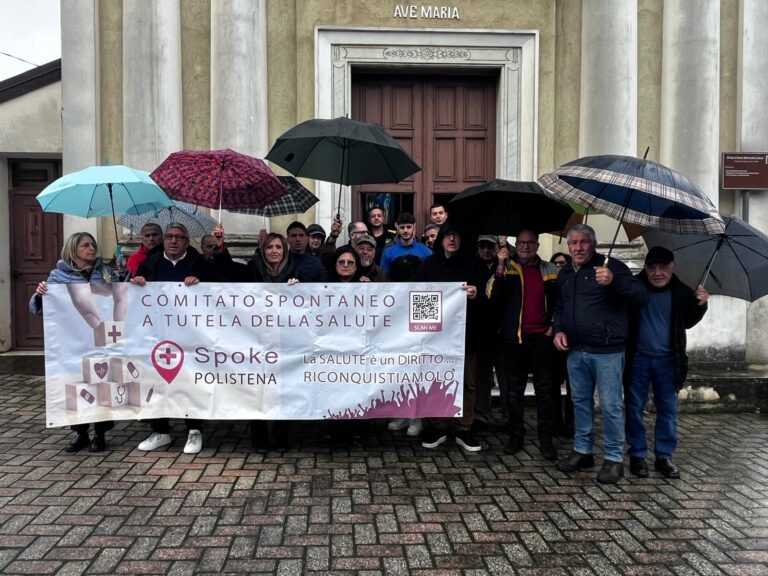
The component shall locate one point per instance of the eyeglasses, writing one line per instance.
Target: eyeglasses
(526, 243)
(345, 262)
(175, 237)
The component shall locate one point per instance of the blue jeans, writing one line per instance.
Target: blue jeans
(587, 370)
(659, 372)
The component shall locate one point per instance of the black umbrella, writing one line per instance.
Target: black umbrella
(734, 263)
(342, 151)
(505, 207)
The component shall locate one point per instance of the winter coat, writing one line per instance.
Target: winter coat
(65, 274)
(686, 313)
(397, 249)
(506, 293)
(594, 317)
(156, 269)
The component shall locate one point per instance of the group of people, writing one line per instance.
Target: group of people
(581, 319)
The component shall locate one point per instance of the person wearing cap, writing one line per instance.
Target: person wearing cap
(317, 236)
(523, 290)
(365, 246)
(656, 357)
(489, 356)
(590, 323)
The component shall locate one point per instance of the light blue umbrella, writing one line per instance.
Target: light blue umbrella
(103, 191)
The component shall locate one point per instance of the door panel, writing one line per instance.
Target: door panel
(448, 126)
(35, 246)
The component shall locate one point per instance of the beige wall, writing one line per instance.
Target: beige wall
(32, 123)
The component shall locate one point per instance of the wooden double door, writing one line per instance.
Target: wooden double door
(446, 123)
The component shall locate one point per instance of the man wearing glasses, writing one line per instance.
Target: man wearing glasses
(522, 290)
(593, 294)
(177, 262)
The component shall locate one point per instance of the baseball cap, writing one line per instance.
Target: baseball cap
(488, 238)
(659, 255)
(364, 238)
(314, 229)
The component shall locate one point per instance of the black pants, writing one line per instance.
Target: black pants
(489, 357)
(99, 427)
(163, 425)
(535, 354)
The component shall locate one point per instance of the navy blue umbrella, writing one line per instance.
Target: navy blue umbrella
(637, 191)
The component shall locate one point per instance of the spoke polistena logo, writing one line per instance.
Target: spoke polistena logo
(167, 358)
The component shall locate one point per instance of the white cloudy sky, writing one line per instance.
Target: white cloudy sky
(29, 29)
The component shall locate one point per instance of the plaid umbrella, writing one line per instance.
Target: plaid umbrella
(297, 201)
(637, 191)
(198, 223)
(218, 179)
(734, 263)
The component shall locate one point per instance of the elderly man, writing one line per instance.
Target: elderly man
(590, 322)
(656, 356)
(523, 291)
(176, 262)
(365, 246)
(151, 237)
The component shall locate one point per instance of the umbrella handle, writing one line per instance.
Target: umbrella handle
(705, 275)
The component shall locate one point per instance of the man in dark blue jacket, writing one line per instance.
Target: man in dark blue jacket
(656, 356)
(591, 324)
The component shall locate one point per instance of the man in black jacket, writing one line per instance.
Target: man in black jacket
(591, 324)
(656, 356)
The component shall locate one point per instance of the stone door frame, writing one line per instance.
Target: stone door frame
(514, 53)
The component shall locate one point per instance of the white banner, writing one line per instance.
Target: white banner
(254, 351)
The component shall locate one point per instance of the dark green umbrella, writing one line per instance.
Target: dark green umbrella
(342, 151)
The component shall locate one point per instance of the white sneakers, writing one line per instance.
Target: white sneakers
(398, 424)
(155, 441)
(415, 426)
(194, 442)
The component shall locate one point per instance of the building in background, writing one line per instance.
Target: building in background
(473, 89)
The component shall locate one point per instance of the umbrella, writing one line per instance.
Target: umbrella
(101, 191)
(197, 222)
(505, 207)
(218, 179)
(297, 201)
(637, 191)
(342, 151)
(734, 263)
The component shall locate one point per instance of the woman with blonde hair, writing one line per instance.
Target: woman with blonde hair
(81, 264)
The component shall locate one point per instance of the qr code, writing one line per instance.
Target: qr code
(426, 307)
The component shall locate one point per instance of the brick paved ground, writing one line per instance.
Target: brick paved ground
(393, 508)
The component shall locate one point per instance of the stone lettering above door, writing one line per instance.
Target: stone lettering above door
(426, 12)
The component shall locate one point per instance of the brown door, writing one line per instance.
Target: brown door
(447, 124)
(36, 239)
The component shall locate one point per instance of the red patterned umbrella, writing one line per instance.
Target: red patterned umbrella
(218, 179)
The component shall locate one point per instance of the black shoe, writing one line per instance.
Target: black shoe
(260, 436)
(467, 440)
(98, 444)
(665, 466)
(611, 472)
(575, 461)
(514, 446)
(82, 441)
(433, 437)
(638, 467)
(547, 450)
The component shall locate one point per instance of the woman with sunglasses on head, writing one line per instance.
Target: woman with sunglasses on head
(81, 264)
